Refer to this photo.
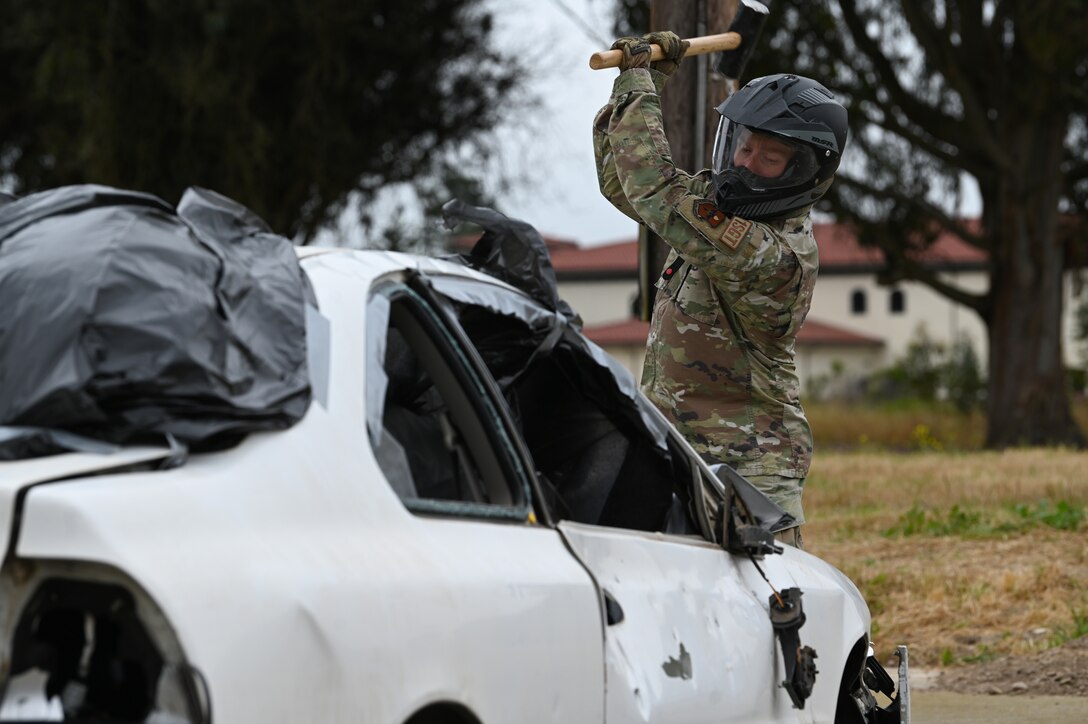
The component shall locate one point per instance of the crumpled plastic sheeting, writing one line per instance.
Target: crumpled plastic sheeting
(512, 251)
(551, 330)
(125, 318)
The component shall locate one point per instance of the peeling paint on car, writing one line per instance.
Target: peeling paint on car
(680, 666)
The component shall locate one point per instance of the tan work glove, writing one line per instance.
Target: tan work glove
(636, 53)
(672, 47)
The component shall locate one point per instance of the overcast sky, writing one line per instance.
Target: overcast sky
(548, 151)
(562, 198)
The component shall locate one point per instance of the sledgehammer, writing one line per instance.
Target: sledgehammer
(699, 46)
(743, 33)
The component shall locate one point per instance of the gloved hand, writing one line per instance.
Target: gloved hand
(671, 46)
(636, 53)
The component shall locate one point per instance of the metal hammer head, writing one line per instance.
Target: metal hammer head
(748, 22)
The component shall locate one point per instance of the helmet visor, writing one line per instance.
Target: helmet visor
(763, 161)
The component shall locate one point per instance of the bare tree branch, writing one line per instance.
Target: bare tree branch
(925, 142)
(936, 41)
(954, 225)
(921, 114)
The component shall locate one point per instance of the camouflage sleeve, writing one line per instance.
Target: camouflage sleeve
(743, 259)
(676, 205)
(607, 178)
(606, 166)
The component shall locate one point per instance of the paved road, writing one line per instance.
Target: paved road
(943, 707)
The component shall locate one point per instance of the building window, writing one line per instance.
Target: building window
(897, 302)
(857, 301)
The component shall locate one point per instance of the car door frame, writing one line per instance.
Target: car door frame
(500, 576)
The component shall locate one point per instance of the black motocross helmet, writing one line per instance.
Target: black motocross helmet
(799, 114)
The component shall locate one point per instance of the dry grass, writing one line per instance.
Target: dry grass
(962, 590)
(904, 426)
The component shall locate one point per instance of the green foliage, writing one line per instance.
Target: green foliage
(1062, 634)
(982, 654)
(878, 589)
(961, 375)
(966, 523)
(297, 109)
(412, 222)
(918, 521)
(923, 439)
(1062, 516)
(929, 371)
(916, 375)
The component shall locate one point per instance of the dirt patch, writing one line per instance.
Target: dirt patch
(1060, 671)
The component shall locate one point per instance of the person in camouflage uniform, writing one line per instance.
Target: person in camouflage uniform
(738, 281)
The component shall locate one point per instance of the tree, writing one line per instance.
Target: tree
(940, 90)
(296, 109)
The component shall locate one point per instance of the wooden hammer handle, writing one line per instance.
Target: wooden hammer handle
(699, 46)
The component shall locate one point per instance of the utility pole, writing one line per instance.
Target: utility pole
(688, 103)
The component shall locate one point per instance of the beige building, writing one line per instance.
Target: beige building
(856, 326)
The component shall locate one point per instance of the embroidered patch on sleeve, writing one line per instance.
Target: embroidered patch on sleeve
(709, 213)
(735, 232)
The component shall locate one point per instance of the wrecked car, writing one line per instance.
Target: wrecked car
(477, 518)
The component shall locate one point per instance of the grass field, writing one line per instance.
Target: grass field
(963, 555)
(904, 426)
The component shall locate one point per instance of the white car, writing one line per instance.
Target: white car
(479, 520)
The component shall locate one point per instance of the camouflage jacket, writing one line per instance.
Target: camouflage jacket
(733, 294)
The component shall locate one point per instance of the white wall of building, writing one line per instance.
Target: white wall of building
(600, 302)
(834, 369)
(630, 357)
(942, 320)
(1076, 293)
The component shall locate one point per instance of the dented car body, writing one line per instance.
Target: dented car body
(479, 519)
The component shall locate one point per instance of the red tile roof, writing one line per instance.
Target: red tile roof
(633, 332)
(465, 242)
(839, 250)
(622, 256)
(627, 332)
(819, 334)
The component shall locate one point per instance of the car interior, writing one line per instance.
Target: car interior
(594, 462)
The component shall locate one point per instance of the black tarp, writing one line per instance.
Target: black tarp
(124, 318)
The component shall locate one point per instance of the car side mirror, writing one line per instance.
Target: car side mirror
(746, 520)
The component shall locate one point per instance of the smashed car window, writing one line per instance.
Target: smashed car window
(596, 462)
(435, 441)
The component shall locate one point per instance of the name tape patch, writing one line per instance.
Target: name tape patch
(735, 232)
